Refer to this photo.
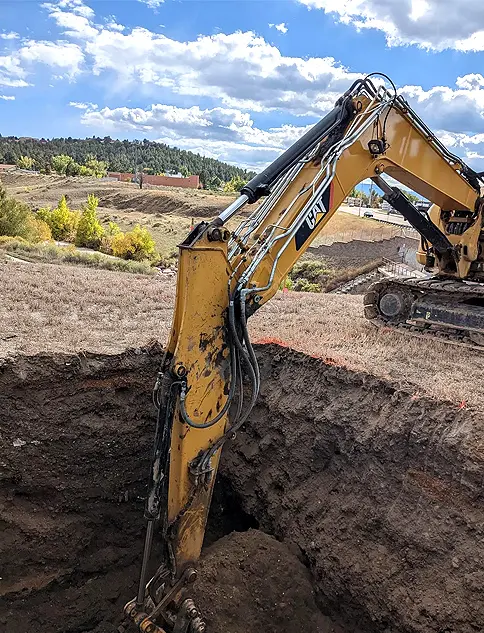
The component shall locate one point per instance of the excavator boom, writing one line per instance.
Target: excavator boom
(209, 380)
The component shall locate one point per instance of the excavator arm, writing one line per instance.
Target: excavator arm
(209, 380)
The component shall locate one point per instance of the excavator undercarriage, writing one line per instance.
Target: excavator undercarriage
(447, 309)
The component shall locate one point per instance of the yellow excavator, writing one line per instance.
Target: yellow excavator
(209, 380)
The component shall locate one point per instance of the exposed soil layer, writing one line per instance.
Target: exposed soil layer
(378, 492)
(74, 446)
(358, 252)
(381, 490)
(40, 191)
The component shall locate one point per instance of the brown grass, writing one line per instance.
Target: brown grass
(345, 226)
(66, 309)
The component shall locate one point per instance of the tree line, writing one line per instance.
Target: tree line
(119, 156)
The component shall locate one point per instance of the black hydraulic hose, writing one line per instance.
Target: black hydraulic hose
(260, 185)
(255, 390)
(161, 446)
(240, 399)
(248, 343)
(233, 384)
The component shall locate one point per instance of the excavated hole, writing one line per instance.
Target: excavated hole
(345, 505)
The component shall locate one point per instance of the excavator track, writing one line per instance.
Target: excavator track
(411, 306)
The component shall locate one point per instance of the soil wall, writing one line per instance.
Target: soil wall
(381, 489)
(379, 492)
(75, 438)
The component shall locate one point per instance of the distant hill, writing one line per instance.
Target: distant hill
(120, 156)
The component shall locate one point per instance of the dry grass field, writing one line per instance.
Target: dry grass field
(51, 308)
(167, 212)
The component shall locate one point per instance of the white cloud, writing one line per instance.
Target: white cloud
(152, 4)
(454, 110)
(83, 106)
(7, 98)
(282, 28)
(16, 67)
(12, 73)
(76, 6)
(225, 133)
(9, 36)
(240, 69)
(74, 23)
(114, 26)
(59, 55)
(430, 24)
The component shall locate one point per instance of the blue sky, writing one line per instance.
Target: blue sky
(239, 81)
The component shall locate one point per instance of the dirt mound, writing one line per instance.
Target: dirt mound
(40, 191)
(357, 253)
(380, 491)
(251, 583)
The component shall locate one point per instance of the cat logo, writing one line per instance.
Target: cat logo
(319, 208)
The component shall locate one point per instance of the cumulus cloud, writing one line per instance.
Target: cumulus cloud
(455, 110)
(282, 28)
(12, 73)
(60, 55)
(75, 6)
(241, 69)
(75, 22)
(7, 98)
(9, 36)
(225, 133)
(64, 56)
(430, 24)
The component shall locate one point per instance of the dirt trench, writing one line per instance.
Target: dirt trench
(373, 494)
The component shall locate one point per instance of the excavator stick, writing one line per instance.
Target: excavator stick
(209, 380)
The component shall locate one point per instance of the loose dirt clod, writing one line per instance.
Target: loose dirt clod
(251, 583)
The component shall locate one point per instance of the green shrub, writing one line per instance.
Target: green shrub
(304, 285)
(38, 229)
(234, 184)
(61, 254)
(309, 269)
(113, 228)
(8, 243)
(73, 169)
(59, 163)
(286, 283)
(94, 167)
(14, 216)
(89, 230)
(25, 162)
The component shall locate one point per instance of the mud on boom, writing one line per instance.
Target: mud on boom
(209, 380)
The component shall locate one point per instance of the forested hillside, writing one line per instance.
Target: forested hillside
(122, 156)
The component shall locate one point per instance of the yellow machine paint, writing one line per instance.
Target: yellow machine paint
(217, 277)
(200, 351)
